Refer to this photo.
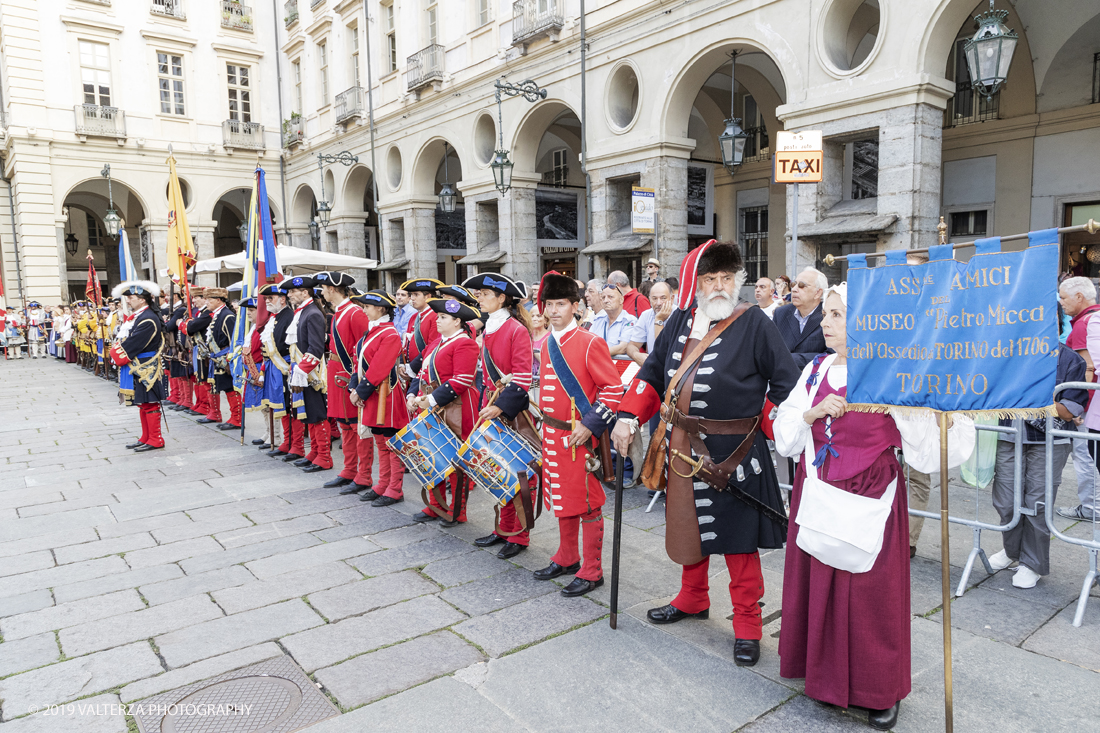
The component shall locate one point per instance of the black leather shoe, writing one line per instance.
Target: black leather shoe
(138, 444)
(368, 495)
(303, 462)
(487, 541)
(276, 453)
(314, 468)
(177, 408)
(553, 570)
(510, 549)
(205, 420)
(386, 501)
(350, 489)
(453, 523)
(194, 412)
(580, 586)
(337, 482)
(746, 652)
(228, 426)
(146, 448)
(292, 458)
(670, 614)
(259, 441)
(422, 517)
(263, 446)
(884, 719)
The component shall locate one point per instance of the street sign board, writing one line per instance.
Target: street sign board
(798, 141)
(642, 207)
(798, 166)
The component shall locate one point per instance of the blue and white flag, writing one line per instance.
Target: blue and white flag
(126, 268)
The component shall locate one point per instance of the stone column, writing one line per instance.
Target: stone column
(909, 161)
(420, 241)
(517, 233)
(667, 175)
(204, 246)
(352, 241)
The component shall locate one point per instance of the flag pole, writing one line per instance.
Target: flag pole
(945, 575)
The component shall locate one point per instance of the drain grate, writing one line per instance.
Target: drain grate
(270, 697)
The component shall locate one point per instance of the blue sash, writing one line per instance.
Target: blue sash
(126, 378)
(273, 389)
(565, 374)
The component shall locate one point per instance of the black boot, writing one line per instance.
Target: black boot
(746, 652)
(884, 719)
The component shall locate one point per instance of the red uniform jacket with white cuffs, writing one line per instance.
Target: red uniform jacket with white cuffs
(451, 366)
(422, 335)
(570, 490)
(376, 362)
(507, 349)
(349, 323)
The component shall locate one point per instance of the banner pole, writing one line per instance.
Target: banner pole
(945, 574)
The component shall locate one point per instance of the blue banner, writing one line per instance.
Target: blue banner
(954, 336)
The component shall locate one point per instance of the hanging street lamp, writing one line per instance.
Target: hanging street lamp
(243, 228)
(732, 141)
(324, 208)
(111, 219)
(502, 167)
(447, 194)
(72, 244)
(989, 52)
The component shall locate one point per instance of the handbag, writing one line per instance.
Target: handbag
(841, 529)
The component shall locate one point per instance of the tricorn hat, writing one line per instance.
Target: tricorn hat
(271, 289)
(459, 293)
(376, 297)
(455, 308)
(421, 285)
(249, 303)
(137, 287)
(555, 286)
(301, 282)
(336, 279)
(499, 283)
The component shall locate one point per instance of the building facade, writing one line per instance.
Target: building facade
(907, 139)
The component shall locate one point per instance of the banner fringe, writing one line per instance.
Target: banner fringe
(1022, 413)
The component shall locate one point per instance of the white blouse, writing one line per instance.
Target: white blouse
(920, 432)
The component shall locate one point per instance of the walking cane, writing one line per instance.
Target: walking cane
(271, 426)
(620, 461)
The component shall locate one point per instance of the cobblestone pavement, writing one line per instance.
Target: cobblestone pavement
(123, 576)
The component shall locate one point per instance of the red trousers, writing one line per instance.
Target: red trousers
(294, 436)
(509, 522)
(320, 446)
(746, 590)
(150, 424)
(391, 472)
(213, 404)
(234, 399)
(202, 397)
(592, 561)
(358, 455)
(187, 385)
(449, 487)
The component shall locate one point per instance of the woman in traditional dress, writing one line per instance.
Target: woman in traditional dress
(848, 633)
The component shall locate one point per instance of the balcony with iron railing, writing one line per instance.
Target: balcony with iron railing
(534, 18)
(351, 103)
(93, 120)
(969, 106)
(756, 146)
(244, 135)
(293, 131)
(168, 8)
(291, 10)
(236, 15)
(425, 67)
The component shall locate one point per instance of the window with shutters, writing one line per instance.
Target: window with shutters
(484, 12)
(353, 38)
(432, 16)
(322, 63)
(391, 38)
(297, 86)
(95, 73)
(240, 94)
(170, 81)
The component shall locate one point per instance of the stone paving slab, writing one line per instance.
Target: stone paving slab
(318, 506)
(216, 560)
(403, 536)
(18, 529)
(310, 557)
(235, 509)
(48, 541)
(75, 678)
(25, 602)
(272, 530)
(285, 586)
(19, 655)
(367, 595)
(103, 548)
(418, 709)
(118, 581)
(528, 622)
(26, 563)
(99, 714)
(204, 528)
(134, 526)
(198, 671)
(1059, 639)
(192, 585)
(410, 556)
(61, 575)
(236, 632)
(330, 644)
(369, 519)
(173, 552)
(90, 500)
(396, 668)
(70, 614)
(144, 624)
(465, 568)
(997, 616)
(497, 591)
(27, 497)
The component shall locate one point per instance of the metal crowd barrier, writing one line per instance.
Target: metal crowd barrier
(1093, 545)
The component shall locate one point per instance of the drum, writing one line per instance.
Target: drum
(495, 455)
(427, 447)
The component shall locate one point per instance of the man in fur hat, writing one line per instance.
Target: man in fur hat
(138, 353)
(713, 364)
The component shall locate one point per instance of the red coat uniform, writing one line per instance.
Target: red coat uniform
(422, 335)
(570, 490)
(349, 323)
(451, 366)
(376, 360)
(507, 350)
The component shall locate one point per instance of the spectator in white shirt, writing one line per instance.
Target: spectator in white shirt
(764, 289)
(592, 298)
(613, 325)
(650, 323)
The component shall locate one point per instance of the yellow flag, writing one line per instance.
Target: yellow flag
(181, 250)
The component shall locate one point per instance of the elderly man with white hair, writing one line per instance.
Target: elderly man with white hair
(1077, 296)
(799, 322)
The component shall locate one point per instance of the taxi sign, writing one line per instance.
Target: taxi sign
(798, 166)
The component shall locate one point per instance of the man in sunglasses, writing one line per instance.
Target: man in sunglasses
(799, 322)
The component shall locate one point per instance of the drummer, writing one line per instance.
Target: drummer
(462, 294)
(506, 359)
(422, 331)
(447, 377)
(377, 393)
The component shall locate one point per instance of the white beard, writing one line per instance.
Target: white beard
(718, 307)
